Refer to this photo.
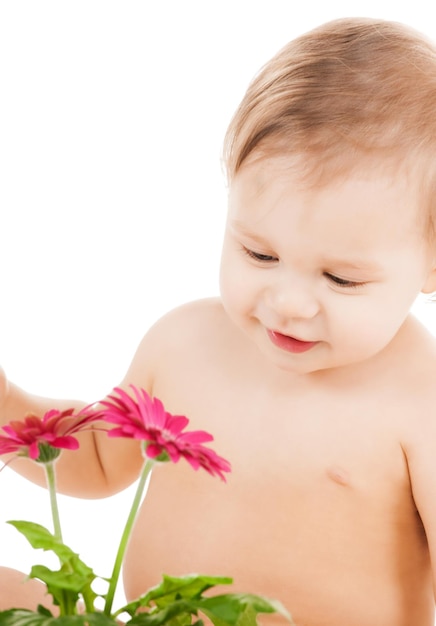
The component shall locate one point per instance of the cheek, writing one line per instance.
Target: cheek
(234, 282)
(227, 278)
(231, 287)
(369, 324)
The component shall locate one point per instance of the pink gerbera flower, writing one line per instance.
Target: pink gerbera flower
(55, 429)
(146, 419)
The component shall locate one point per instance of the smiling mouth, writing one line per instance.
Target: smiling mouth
(290, 344)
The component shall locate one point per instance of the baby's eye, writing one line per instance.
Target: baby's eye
(342, 282)
(257, 256)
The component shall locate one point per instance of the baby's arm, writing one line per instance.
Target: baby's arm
(100, 467)
(103, 466)
(421, 460)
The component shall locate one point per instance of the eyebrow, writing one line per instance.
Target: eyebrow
(333, 262)
(354, 264)
(241, 228)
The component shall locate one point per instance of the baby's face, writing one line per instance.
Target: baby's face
(325, 277)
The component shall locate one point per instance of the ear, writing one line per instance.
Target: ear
(430, 283)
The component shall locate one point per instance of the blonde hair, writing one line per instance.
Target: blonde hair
(349, 90)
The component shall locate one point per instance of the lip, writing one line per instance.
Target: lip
(290, 344)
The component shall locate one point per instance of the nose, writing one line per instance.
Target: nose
(292, 298)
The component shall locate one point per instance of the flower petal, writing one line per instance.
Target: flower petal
(55, 428)
(143, 417)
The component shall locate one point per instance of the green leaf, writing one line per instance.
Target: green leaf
(247, 617)
(178, 612)
(22, 617)
(230, 607)
(40, 537)
(65, 584)
(90, 619)
(44, 611)
(223, 610)
(172, 588)
(190, 586)
(64, 579)
(176, 600)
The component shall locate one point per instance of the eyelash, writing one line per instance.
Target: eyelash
(262, 258)
(336, 280)
(341, 282)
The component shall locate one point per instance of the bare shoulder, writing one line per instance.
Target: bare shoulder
(419, 363)
(196, 312)
(414, 376)
(404, 387)
(186, 333)
(189, 321)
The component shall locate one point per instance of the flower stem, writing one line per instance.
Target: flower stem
(146, 469)
(51, 483)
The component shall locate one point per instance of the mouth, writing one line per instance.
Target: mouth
(290, 344)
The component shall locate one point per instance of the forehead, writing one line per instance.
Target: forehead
(370, 216)
(380, 194)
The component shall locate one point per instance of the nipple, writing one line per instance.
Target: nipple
(338, 475)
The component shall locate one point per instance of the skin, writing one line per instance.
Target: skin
(333, 449)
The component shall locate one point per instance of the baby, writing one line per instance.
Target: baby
(316, 382)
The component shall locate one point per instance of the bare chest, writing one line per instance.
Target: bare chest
(300, 440)
(318, 499)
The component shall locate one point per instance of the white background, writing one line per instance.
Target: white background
(112, 197)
